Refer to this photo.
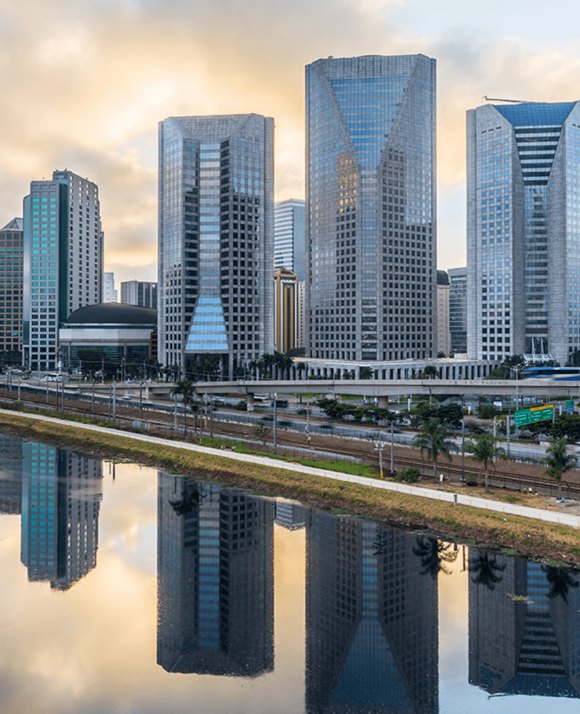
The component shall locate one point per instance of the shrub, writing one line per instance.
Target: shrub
(409, 474)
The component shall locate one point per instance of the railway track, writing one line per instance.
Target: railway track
(162, 424)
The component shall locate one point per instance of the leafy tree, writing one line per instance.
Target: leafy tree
(485, 410)
(434, 555)
(429, 372)
(559, 461)
(485, 450)
(185, 388)
(566, 426)
(560, 582)
(486, 570)
(433, 439)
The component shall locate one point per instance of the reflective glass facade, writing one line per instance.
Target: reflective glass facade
(11, 262)
(63, 260)
(523, 230)
(371, 243)
(216, 216)
(290, 236)
(458, 309)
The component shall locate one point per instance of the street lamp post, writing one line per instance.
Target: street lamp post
(274, 430)
(392, 448)
(379, 446)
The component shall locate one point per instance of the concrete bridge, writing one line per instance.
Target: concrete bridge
(382, 390)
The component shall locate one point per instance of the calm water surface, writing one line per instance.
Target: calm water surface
(125, 589)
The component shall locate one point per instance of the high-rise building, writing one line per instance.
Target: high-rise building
(284, 310)
(61, 494)
(215, 579)
(371, 619)
(443, 336)
(290, 236)
(63, 260)
(300, 313)
(524, 629)
(371, 235)
(140, 293)
(458, 309)
(11, 286)
(523, 227)
(110, 293)
(216, 241)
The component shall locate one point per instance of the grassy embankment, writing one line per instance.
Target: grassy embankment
(531, 538)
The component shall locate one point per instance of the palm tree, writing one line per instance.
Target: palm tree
(486, 569)
(486, 451)
(434, 554)
(558, 461)
(560, 582)
(434, 440)
(186, 389)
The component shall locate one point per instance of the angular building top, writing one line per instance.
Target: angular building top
(523, 264)
(371, 196)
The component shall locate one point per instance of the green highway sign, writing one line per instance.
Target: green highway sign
(569, 406)
(523, 417)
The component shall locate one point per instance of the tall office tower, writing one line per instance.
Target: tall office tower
(522, 230)
(216, 241)
(215, 579)
(458, 309)
(110, 293)
(139, 292)
(11, 286)
(63, 260)
(443, 335)
(371, 619)
(290, 236)
(524, 628)
(371, 235)
(290, 515)
(285, 317)
(61, 494)
(10, 473)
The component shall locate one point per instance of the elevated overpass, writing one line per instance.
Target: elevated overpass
(382, 390)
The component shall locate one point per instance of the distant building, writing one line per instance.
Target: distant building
(301, 314)
(215, 579)
(371, 235)
(443, 335)
(216, 242)
(110, 294)
(524, 631)
(11, 288)
(290, 236)
(291, 516)
(63, 261)
(458, 310)
(61, 494)
(139, 292)
(118, 333)
(523, 217)
(285, 310)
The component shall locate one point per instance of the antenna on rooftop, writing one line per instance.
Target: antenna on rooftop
(499, 99)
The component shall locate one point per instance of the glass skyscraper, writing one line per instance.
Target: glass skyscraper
(371, 237)
(458, 309)
(523, 230)
(289, 236)
(216, 242)
(63, 260)
(11, 261)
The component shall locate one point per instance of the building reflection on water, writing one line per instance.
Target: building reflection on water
(524, 627)
(215, 567)
(61, 494)
(371, 619)
(10, 473)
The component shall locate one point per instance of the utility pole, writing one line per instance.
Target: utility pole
(379, 446)
(392, 448)
(462, 448)
(274, 430)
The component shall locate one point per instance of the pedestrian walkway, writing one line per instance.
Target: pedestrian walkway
(454, 498)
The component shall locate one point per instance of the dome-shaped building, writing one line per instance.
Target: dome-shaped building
(109, 332)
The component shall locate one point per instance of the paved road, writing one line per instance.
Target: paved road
(458, 499)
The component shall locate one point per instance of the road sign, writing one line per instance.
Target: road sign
(524, 417)
(569, 406)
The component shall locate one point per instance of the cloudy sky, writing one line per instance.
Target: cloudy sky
(84, 83)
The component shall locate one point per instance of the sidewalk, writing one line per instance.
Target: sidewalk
(455, 498)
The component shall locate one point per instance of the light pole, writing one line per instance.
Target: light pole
(392, 448)
(307, 429)
(274, 430)
(462, 442)
(379, 446)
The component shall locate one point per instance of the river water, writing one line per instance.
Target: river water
(126, 589)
